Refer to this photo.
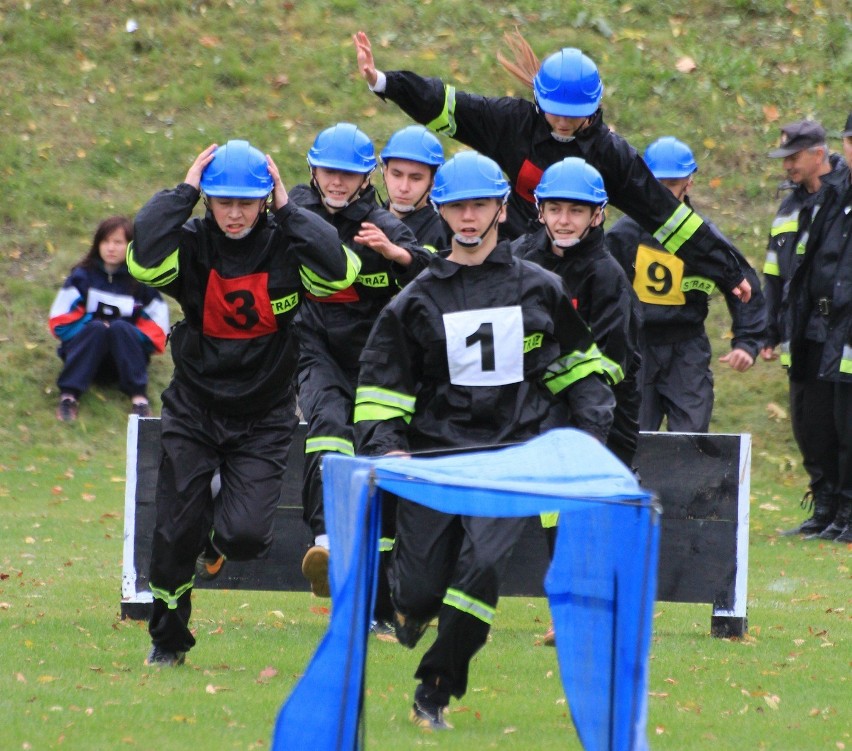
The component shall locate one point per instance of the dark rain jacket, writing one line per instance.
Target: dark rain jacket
(502, 386)
(234, 350)
(820, 297)
(784, 254)
(513, 132)
(603, 298)
(428, 227)
(674, 297)
(339, 324)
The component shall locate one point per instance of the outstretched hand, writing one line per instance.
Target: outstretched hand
(366, 64)
(279, 192)
(193, 176)
(373, 237)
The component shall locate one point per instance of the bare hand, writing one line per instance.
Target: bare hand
(738, 359)
(279, 192)
(366, 64)
(768, 354)
(193, 176)
(743, 291)
(374, 238)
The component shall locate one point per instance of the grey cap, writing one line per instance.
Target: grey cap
(848, 131)
(799, 135)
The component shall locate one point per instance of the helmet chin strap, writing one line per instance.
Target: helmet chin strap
(409, 208)
(476, 241)
(246, 230)
(570, 242)
(334, 203)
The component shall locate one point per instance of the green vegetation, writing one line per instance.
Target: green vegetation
(95, 119)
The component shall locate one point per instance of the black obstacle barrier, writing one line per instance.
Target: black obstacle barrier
(701, 480)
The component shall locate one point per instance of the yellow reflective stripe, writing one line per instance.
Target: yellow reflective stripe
(549, 519)
(446, 122)
(698, 284)
(386, 397)
(770, 266)
(846, 360)
(612, 370)
(570, 368)
(800, 248)
(785, 358)
(167, 597)
(329, 443)
(783, 225)
(370, 412)
(157, 276)
(478, 609)
(285, 304)
(431, 248)
(385, 544)
(320, 287)
(679, 227)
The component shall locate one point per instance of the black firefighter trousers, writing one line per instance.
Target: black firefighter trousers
(450, 566)
(250, 453)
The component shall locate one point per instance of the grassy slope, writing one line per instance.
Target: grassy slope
(96, 119)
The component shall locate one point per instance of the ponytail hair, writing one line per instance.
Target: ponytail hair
(524, 63)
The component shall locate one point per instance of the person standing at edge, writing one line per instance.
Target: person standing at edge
(239, 274)
(819, 319)
(806, 161)
(470, 353)
(676, 380)
(332, 329)
(526, 137)
(409, 161)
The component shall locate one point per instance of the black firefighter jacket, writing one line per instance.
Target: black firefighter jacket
(825, 274)
(674, 297)
(513, 132)
(472, 356)
(234, 350)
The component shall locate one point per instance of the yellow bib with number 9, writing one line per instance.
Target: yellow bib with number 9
(658, 278)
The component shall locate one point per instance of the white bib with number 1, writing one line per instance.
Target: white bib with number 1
(485, 347)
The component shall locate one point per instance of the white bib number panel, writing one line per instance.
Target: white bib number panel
(485, 347)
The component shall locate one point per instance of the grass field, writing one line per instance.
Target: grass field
(95, 119)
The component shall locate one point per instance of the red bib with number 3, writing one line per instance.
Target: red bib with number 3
(238, 308)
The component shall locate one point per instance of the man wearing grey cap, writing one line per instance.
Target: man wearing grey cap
(818, 324)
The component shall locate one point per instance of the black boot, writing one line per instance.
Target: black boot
(823, 504)
(840, 523)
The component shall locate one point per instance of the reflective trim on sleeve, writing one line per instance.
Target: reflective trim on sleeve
(445, 123)
(569, 369)
(157, 276)
(770, 265)
(478, 609)
(612, 370)
(320, 287)
(846, 360)
(679, 228)
(785, 356)
(171, 599)
(329, 443)
(784, 223)
(375, 403)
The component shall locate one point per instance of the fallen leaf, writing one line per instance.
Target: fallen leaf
(772, 701)
(775, 412)
(686, 64)
(266, 674)
(770, 112)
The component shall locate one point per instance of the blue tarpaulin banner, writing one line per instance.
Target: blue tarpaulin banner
(600, 585)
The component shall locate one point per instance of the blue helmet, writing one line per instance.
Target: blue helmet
(415, 143)
(572, 179)
(238, 170)
(568, 84)
(469, 174)
(670, 159)
(343, 147)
